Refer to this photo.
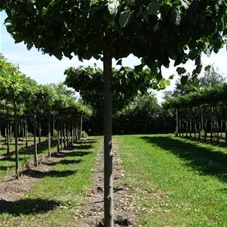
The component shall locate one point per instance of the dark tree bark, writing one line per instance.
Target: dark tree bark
(16, 140)
(35, 143)
(7, 132)
(49, 136)
(26, 131)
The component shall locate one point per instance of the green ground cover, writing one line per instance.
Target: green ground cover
(54, 199)
(178, 182)
(7, 162)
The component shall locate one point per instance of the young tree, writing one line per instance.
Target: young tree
(153, 30)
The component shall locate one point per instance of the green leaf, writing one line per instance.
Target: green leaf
(153, 7)
(138, 68)
(171, 77)
(124, 18)
(167, 82)
(184, 80)
(181, 70)
(207, 68)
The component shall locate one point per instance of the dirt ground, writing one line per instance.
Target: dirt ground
(90, 213)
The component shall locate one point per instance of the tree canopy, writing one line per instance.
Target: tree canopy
(126, 84)
(156, 31)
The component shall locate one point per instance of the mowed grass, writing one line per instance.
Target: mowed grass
(25, 154)
(54, 200)
(177, 182)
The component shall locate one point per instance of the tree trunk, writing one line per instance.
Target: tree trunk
(35, 144)
(81, 125)
(108, 156)
(39, 128)
(58, 135)
(7, 132)
(61, 133)
(16, 139)
(49, 136)
(26, 131)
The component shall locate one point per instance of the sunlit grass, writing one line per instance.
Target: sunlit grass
(54, 199)
(177, 182)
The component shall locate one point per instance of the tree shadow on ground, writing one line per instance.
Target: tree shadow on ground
(78, 153)
(28, 206)
(4, 168)
(206, 161)
(53, 173)
(68, 162)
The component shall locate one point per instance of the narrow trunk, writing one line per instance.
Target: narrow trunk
(64, 134)
(67, 133)
(72, 131)
(35, 144)
(81, 125)
(49, 136)
(0, 135)
(7, 132)
(26, 131)
(61, 133)
(108, 156)
(39, 127)
(16, 139)
(58, 135)
(177, 122)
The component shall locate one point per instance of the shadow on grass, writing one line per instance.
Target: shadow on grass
(4, 168)
(52, 173)
(79, 153)
(68, 162)
(205, 160)
(28, 206)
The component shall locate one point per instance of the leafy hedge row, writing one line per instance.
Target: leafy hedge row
(209, 95)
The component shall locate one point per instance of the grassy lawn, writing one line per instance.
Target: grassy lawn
(178, 182)
(25, 154)
(54, 200)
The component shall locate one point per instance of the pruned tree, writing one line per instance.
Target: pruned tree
(153, 30)
(15, 88)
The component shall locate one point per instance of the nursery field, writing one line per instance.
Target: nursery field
(164, 181)
(177, 182)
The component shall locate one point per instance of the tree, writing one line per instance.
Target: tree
(208, 78)
(126, 83)
(15, 88)
(154, 30)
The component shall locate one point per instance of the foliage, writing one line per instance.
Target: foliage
(142, 115)
(209, 95)
(179, 30)
(209, 78)
(84, 134)
(125, 85)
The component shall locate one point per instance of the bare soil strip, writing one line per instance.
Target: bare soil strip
(90, 213)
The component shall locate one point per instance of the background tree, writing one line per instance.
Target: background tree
(126, 83)
(208, 78)
(154, 30)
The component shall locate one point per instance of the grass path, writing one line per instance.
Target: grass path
(54, 200)
(178, 182)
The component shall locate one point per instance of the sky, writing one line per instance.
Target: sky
(45, 69)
